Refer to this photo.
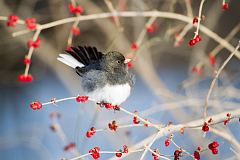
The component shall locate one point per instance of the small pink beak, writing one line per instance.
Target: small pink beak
(127, 60)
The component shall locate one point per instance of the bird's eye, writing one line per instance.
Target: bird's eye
(118, 61)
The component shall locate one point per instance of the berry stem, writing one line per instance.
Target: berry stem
(30, 51)
(168, 15)
(199, 17)
(215, 79)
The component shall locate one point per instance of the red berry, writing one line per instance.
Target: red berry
(225, 6)
(75, 31)
(167, 142)
(155, 158)
(135, 120)
(177, 153)
(27, 61)
(192, 42)
(146, 124)
(205, 127)
(130, 64)
(215, 144)
(108, 105)
(212, 59)
(27, 78)
(199, 149)
(31, 23)
(36, 105)
(34, 44)
(119, 153)
(134, 46)
(229, 115)
(195, 20)
(96, 156)
(198, 70)
(214, 151)
(150, 28)
(125, 149)
(196, 155)
(198, 38)
(225, 121)
(79, 9)
(82, 99)
(97, 149)
(69, 48)
(89, 134)
(37, 43)
(71, 7)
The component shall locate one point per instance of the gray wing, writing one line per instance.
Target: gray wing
(93, 79)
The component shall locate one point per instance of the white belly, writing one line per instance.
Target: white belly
(111, 94)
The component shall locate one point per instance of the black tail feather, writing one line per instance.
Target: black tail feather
(85, 55)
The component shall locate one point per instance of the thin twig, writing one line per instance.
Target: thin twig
(215, 79)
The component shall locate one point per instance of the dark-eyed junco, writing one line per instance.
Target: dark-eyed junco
(105, 77)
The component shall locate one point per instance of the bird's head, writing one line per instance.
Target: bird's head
(115, 62)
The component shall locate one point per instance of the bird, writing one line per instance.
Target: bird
(104, 77)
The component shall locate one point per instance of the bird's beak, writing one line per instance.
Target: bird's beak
(127, 60)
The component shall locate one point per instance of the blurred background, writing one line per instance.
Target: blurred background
(166, 88)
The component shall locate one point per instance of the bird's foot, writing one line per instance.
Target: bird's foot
(108, 106)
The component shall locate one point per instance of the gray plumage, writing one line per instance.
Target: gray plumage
(100, 70)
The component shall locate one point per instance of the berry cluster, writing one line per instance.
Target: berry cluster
(110, 106)
(25, 78)
(91, 132)
(155, 156)
(82, 99)
(196, 153)
(227, 119)
(31, 23)
(205, 127)
(95, 153)
(177, 154)
(120, 152)
(113, 126)
(12, 20)
(36, 105)
(34, 44)
(75, 9)
(195, 40)
(135, 119)
(213, 147)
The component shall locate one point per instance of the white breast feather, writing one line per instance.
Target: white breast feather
(112, 94)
